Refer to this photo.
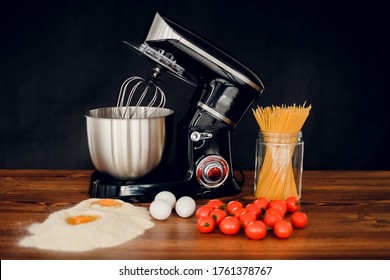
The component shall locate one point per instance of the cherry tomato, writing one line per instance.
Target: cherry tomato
(271, 219)
(274, 210)
(218, 215)
(283, 229)
(206, 224)
(292, 204)
(216, 204)
(263, 202)
(256, 230)
(236, 212)
(299, 219)
(254, 208)
(232, 205)
(203, 211)
(246, 218)
(281, 204)
(230, 225)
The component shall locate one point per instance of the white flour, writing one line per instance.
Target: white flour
(117, 223)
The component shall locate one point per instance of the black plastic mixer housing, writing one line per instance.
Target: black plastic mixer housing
(225, 89)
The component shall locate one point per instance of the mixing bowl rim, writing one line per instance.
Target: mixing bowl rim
(168, 112)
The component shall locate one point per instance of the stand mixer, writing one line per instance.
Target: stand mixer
(203, 163)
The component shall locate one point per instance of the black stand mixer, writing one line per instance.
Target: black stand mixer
(224, 91)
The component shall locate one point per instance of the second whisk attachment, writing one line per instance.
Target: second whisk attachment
(144, 97)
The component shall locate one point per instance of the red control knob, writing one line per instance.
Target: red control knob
(212, 171)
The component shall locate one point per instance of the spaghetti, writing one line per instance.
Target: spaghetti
(280, 128)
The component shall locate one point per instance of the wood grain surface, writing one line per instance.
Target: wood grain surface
(348, 211)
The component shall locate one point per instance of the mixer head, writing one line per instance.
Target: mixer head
(230, 87)
(196, 54)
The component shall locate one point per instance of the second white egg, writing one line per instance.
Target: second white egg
(185, 207)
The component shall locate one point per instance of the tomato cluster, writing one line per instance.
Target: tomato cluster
(255, 219)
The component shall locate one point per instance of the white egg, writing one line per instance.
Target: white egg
(185, 207)
(168, 196)
(160, 209)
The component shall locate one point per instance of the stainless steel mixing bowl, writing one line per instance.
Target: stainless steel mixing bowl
(127, 148)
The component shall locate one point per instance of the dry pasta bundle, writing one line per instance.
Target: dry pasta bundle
(280, 128)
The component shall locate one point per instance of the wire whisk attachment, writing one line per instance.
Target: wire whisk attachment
(144, 97)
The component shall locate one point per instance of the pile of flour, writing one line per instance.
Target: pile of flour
(116, 224)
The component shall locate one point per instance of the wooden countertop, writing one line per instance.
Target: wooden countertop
(348, 211)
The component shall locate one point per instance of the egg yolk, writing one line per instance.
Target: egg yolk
(108, 202)
(82, 219)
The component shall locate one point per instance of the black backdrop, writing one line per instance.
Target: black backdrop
(59, 59)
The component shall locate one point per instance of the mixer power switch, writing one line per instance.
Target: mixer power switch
(212, 171)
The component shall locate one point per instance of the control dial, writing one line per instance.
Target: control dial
(212, 171)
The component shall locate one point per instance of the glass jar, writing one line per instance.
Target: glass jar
(278, 165)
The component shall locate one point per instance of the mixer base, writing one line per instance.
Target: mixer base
(103, 186)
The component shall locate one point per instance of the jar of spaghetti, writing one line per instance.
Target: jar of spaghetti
(278, 165)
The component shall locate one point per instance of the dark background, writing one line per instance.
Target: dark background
(59, 59)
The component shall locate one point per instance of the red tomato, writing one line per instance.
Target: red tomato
(218, 215)
(254, 208)
(246, 218)
(281, 204)
(230, 225)
(205, 224)
(236, 212)
(256, 230)
(292, 204)
(299, 219)
(274, 210)
(232, 205)
(203, 211)
(263, 202)
(216, 204)
(283, 229)
(271, 219)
